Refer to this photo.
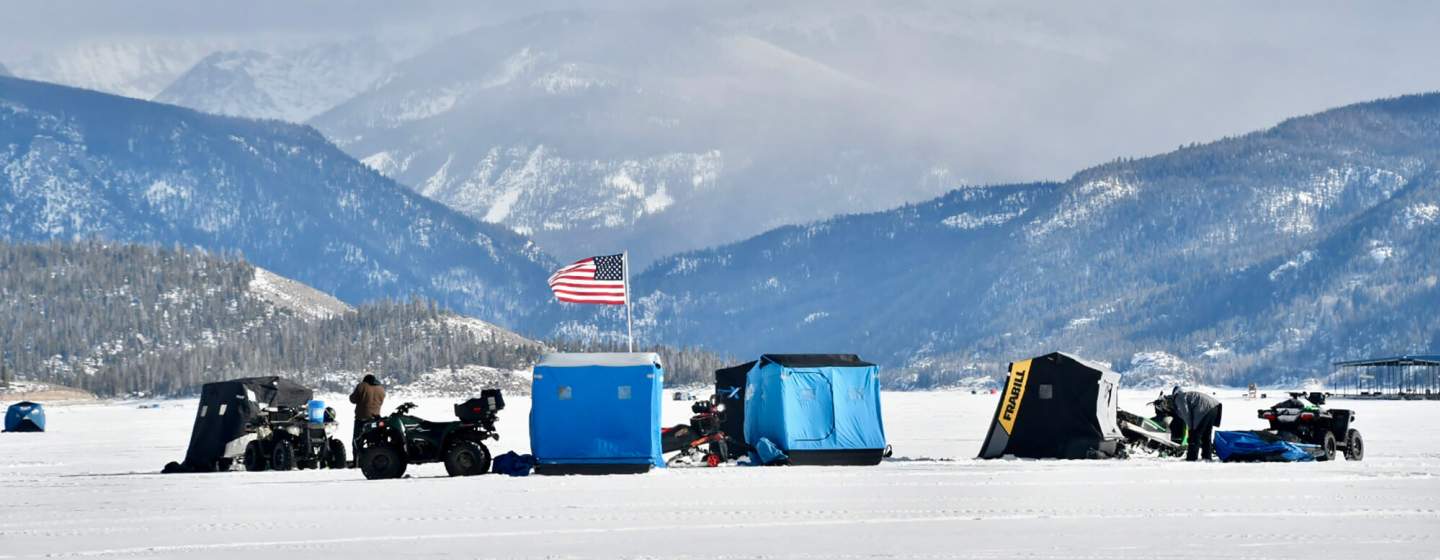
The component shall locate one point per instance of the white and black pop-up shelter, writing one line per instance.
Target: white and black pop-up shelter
(1056, 406)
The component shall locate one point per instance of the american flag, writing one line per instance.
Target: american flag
(594, 280)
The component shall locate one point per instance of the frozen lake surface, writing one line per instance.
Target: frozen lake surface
(90, 487)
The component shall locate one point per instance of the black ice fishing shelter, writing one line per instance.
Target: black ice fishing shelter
(730, 391)
(1056, 406)
(226, 407)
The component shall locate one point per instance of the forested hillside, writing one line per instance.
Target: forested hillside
(78, 164)
(1256, 258)
(120, 319)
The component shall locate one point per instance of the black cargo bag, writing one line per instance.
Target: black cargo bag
(487, 405)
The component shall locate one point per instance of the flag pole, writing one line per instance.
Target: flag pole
(629, 327)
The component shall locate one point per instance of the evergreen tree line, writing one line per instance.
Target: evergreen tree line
(684, 366)
(134, 319)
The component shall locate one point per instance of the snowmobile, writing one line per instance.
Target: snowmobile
(1303, 418)
(387, 445)
(701, 440)
(286, 439)
(1152, 435)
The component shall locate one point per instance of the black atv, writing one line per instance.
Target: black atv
(1303, 418)
(387, 445)
(286, 439)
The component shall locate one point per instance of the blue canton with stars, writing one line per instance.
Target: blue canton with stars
(610, 267)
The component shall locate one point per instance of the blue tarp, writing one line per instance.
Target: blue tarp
(597, 409)
(25, 416)
(1258, 446)
(802, 406)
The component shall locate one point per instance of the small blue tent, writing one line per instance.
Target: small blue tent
(25, 416)
(596, 413)
(819, 409)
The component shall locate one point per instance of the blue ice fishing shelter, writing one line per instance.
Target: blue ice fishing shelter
(25, 416)
(596, 413)
(819, 409)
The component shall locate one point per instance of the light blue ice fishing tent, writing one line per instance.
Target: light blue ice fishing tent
(25, 416)
(596, 413)
(819, 409)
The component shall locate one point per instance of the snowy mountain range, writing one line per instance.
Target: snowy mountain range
(1254, 258)
(137, 67)
(289, 84)
(80, 164)
(593, 132)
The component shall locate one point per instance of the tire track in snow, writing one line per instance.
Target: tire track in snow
(202, 547)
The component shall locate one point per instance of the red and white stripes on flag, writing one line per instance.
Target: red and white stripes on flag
(599, 280)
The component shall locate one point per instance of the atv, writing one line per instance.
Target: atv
(701, 440)
(1303, 418)
(285, 439)
(387, 445)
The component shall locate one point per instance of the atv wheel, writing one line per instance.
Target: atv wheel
(1328, 446)
(1354, 446)
(382, 461)
(282, 458)
(467, 458)
(335, 454)
(255, 457)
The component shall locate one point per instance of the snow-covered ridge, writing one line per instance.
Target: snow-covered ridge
(1420, 214)
(291, 84)
(465, 382)
(1163, 370)
(966, 220)
(533, 188)
(138, 67)
(1084, 206)
(294, 296)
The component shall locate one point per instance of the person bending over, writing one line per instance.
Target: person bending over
(1200, 414)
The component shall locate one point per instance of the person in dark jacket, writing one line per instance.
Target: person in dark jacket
(1200, 414)
(368, 397)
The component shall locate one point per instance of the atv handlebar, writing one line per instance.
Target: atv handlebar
(405, 408)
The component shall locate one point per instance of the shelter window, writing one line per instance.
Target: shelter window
(222, 409)
(1047, 391)
(204, 408)
(622, 392)
(565, 392)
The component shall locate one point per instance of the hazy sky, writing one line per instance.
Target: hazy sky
(1017, 90)
(32, 25)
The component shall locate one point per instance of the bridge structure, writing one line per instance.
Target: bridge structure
(1411, 376)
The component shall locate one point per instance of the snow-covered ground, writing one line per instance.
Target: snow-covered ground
(89, 488)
